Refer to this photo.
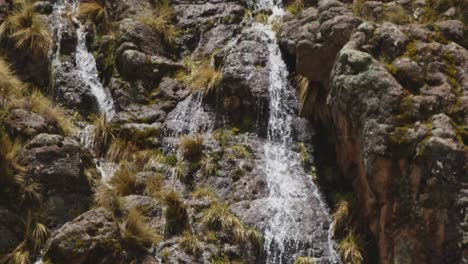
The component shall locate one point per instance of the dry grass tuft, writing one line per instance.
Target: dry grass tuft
(176, 214)
(350, 248)
(191, 244)
(27, 30)
(124, 181)
(201, 75)
(304, 260)
(94, 11)
(191, 147)
(295, 7)
(138, 233)
(161, 21)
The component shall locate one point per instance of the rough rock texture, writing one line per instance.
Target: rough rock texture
(397, 95)
(71, 91)
(62, 168)
(92, 237)
(24, 123)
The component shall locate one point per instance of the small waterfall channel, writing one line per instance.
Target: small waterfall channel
(291, 190)
(84, 70)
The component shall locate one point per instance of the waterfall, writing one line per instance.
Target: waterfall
(84, 70)
(291, 190)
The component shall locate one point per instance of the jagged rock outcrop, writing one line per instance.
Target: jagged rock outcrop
(25, 123)
(92, 237)
(64, 170)
(397, 95)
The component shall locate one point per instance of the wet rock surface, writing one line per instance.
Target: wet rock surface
(387, 79)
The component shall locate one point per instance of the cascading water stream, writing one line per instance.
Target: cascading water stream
(291, 189)
(84, 70)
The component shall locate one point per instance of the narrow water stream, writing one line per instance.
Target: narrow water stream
(291, 190)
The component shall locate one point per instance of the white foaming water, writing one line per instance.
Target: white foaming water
(189, 116)
(291, 190)
(85, 68)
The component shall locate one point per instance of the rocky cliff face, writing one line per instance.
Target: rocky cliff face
(397, 97)
(172, 132)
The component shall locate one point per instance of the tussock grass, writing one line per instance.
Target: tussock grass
(219, 217)
(304, 260)
(138, 233)
(11, 88)
(102, 136)
(34, 236)
(175, 213)
(205, 192)
(191, 146)
(350, 248)
(295, 7)
(201, 75)
(243, 236)
(124, 181)
(27, 30)
(181, 170)
(161, 20)
(95, 11)
(10, 170)
(191, 244)
(342, 213)
(108, 198)
(209, 167)
(154, 186)
(30, 193)
(120, 149)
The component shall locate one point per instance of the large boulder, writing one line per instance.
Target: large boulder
(64, 171)
(25, 123)
(71, 90)
(93, 237)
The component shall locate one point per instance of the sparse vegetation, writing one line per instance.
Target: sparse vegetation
(27, 30)
(191, 244)
(161, 21)
(350, 249)
(124, 179)
(137, 232)
(205, 192)
(304, 260)
(175, 213)
(295, 7)
(102, 135)
(201, 75)
(95, 11)
(191, 147)
(342, 213)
